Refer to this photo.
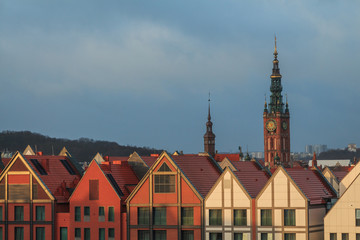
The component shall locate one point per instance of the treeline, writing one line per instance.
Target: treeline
(339, 154)
(83, 149)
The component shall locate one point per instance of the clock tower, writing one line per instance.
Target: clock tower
(276, 121)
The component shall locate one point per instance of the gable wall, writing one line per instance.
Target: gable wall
(279, 194)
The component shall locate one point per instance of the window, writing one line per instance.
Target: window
(215, 217)
(19, 233)
(289, 236)
(164, 168)
(40, 213)
(77, 214)
(357, 217)
(101, 233)
(266, 217)
(238, 236)
(215, 236)
(77, 233)
(240, 217)
(289, 217)
(344, 236)
(94, 189)
(111, 233)
(160, 216)
(333, 236)
(187, 216)
(101, 214)
(63, 233)
(160, 234)
(143, 235)
(164, 183)
(111, 214)
(19, 213)
(187, 235)
(143, 215)
(1, 213)
(67, 166)
(38, 166)
(264, 236)
(86, 233)
(40, 233)
(1, 233)
(357, 236)
(86, 214)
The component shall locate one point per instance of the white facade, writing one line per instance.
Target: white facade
(228, 195)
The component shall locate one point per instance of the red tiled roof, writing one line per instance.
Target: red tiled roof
(5, 161)
(123, 175)
(251, 176)
(149, 160)
(340, 171)
(231, 156)
(56, 174)
(117, 158)
(200, 170)
(311, 184)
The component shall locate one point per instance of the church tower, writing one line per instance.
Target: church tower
(276, 121)
(209, 137)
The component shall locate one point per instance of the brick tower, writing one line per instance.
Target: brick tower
(209, 137)
(276, 121)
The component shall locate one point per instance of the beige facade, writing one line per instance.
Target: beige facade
(289, 213)
(348, 179)
(341, 219)
(332, 179)
(227, 196)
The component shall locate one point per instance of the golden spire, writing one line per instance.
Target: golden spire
(275, 51)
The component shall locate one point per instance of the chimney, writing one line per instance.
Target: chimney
(39, 153)
(45, 164)
(314, 161)
(106, 158)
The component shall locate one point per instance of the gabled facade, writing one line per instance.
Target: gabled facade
(343, 220)
(349, 178)
(228, 209)
(335, 175)
(292, 205)
(166, 204)
(95, 207)
(34, 193)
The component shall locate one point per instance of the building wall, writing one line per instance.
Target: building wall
(280, 194)
(228, 195)
(107, 198)
(348, 179)
(332, 180)
(341, 218)
(184, 196)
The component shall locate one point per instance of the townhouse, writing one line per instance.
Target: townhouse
(292, 205)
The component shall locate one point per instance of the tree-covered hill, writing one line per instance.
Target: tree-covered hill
(83, 149)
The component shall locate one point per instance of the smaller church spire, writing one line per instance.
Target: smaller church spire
(209, 137)
(265, 105)
(209, 115)
(275, 51)
(286, 105)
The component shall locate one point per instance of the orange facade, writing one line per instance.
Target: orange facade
(157, 205)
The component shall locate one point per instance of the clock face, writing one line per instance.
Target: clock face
(271, 125)
(284, 125)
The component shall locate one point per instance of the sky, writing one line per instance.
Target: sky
(139, 72)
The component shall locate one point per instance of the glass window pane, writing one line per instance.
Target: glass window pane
(19, 233)
(63, 233)
(77, 214)
(111, 232)
(187, 235)
(215, 236)
(40, 233)
(160, 234)
(333, 236)
(86, 233)
(111, 214)
(215, 217)
(78, 232)
(266, 217)
(238, 236)
(101, 233)
(40, 213)
(143, 235)
(240, 218)
(289, 217)
(187, 216)
(19, 213)
(160, 215)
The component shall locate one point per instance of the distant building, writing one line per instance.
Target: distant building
(257, 154)
(352, 147)
(318, 148)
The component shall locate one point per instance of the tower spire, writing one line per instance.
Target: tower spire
(209, 137)
(275, 51)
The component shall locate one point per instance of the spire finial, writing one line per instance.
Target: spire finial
(209, 116)
(286, 98)
(275, 51)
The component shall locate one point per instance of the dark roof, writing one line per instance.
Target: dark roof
(251, 175)
(149, 160)
(202, 171)
(312, 183)
(122, 173)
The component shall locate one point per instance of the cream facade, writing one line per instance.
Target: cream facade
(283, 211)
(332, 179)
(348, 179)
(340, 222)
(228, 198)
